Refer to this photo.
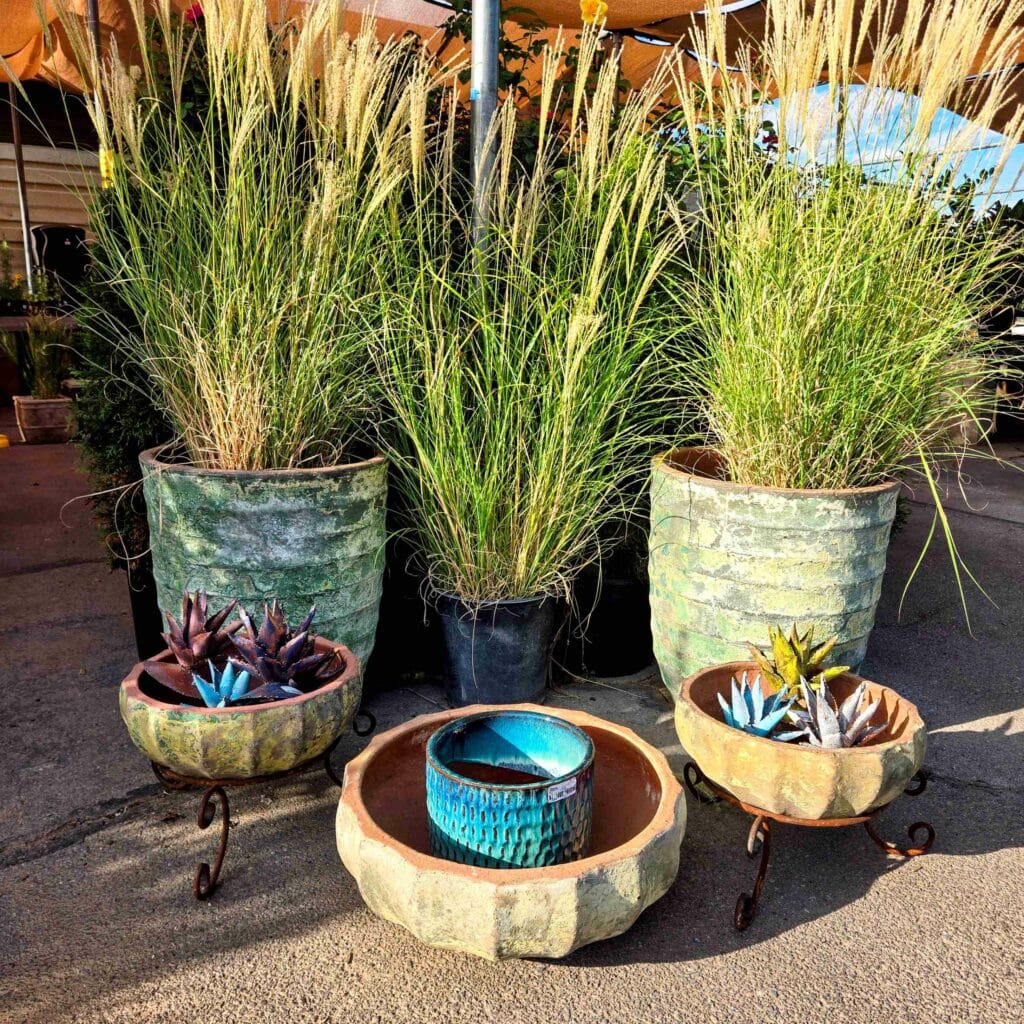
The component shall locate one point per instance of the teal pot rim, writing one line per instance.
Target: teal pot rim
(712, 459)
(150, 459)
(348, 677)
(517, 787)
(911, 724)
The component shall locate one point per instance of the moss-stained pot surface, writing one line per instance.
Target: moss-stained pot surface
(727, 561)
(797, 779)
(639, 817)
(239, 742)
(303, 536)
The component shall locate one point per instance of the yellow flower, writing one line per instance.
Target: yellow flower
(593, 11)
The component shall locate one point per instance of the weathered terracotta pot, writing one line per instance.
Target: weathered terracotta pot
(639, 817)
(44, 420)
(796, 779)
(728, 561)
(239, 742)
(303, 536)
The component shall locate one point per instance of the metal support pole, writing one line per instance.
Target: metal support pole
(19, 172)
(483, 95)
(93, 18)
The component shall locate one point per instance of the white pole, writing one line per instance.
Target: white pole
(19, 173)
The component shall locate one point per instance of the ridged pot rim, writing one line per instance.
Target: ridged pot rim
(26, 399)
(150, 459)
(133, 691)
(662, 821)
(734, 668)
(662, 462)
(516, 787)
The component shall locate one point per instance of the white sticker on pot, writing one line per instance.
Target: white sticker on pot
(561, 791)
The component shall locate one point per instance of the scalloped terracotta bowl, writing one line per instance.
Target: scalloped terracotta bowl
(239, 742)
(639, 817)
(796, 779)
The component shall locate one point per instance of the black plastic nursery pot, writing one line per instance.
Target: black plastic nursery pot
(497, 652)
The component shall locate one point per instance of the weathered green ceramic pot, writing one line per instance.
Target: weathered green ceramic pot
(729, 561)
(797, 779)
(239, 742)
(303, 536)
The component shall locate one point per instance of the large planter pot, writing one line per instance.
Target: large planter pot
(44, 420)
(510, 789)
(797, 779)
(303, 536)
(639, 817)
(728, 561)
(239, 742)
(497, 652)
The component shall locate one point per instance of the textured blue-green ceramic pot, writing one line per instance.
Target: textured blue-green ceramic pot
(510, 789)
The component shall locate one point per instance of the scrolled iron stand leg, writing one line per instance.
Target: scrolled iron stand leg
(205, 880)
(759, 840)
(371, 725)
(915, 787)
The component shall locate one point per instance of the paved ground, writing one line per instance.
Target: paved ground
(97, 922)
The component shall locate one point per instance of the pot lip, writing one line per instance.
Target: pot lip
(501, 602)
(662, 821)
(661, 462)
(734, 668)
(518, 787)
(150, 459)
(131, 689)
(25, 399)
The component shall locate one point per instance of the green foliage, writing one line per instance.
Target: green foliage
(45, 358)
(116, 421)
(522, 375)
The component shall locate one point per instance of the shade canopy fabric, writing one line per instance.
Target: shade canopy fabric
(34, 53)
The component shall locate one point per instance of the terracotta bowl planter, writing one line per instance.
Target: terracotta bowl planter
(639, 817)
(796, 779)
(728, 560)
(44, 420)
(239, 742)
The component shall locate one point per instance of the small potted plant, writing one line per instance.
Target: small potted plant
(785, 735)
(230, 701)
(44, 415)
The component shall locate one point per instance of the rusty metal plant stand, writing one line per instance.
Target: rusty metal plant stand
(214, 793)
(759, 839)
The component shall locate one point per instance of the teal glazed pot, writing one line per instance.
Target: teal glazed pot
(510, 789)
(303, 536)
(728, 561)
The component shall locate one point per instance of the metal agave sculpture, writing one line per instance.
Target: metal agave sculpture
(199, 639)
(750, 710)
(834, 726)
(794, 660)
(281, 656)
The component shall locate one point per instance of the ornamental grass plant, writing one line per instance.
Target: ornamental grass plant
(836, 295)
(841, 276)
(522, 373)
(253, 172)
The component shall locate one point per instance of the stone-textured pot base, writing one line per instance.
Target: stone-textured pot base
(639, 817)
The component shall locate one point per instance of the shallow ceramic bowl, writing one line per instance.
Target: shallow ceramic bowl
(239, 742)
(796, 779)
